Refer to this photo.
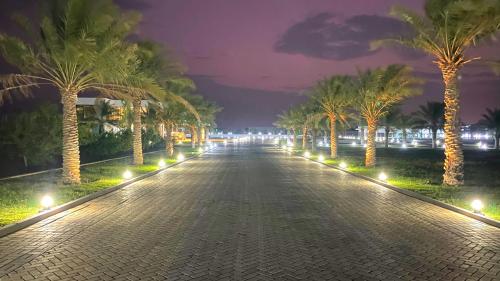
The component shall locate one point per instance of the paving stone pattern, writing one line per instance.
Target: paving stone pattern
(253, 213)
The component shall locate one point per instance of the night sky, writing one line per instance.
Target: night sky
(256, 58)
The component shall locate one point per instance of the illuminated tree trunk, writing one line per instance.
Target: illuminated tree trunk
(387, 131)
(454, 159)
(434, 137)
(370, 159)
(304, 137)
(194, 136)
(169, 142)
(137, 134)
(333, 136)
(203, 135)
(70, 149)
(313, 139)
(199, 136)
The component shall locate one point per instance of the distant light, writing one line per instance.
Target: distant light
(477, 205)
(484, 146)
(438, 142)
(260, 133)
(404, 145)
(353, 143)
(365, 145)
(180, 157)
(179, 142)
(343, 165)
(127, 175)
(162, 163)
(200, 150)
(150, 142)
(47, 202)
(225, 142)
(321, 158)
(283, 147)
(479, 144)
(382, 176)
(414, 142)
(307, 154)
(269, 134)
(444, 145)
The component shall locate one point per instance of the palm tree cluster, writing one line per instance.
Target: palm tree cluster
(446, 31)
(81, 46)
(337, 100)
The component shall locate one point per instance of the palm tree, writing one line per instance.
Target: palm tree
(102, 111)
(447, 31)
(492, 121)
(334, 97)
(390, 120)
(404, 123)
(313, 120)
(378, 90)
(207, 111)
(289, 120)
(77, 48)
(431, 116)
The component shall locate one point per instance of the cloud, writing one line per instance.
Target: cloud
(323, 36)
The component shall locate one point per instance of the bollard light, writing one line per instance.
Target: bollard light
(47, 202)
(477, 206)
(180, 157)
(307, 154)
(127, 175)
(343, 165)
(162, 163)
(321, 158)
(382, 176)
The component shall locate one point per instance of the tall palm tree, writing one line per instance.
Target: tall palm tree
(491, 119)
(77, 47)
(334, 97)
(378, 91)
(290, 120)
(431, 116)
(313, 120)
(447, 31)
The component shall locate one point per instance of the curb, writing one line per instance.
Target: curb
(415, 195)
(11, 228)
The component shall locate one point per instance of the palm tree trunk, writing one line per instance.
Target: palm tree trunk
(200, 136)
(313, 140)
(304, 137)
(169, 142)
(434, 137)
(70, 149)
(387, 131)
(194, 136)
(454, 159)
(362, 135)
(333, 137)
(137, 147)
(370, 159)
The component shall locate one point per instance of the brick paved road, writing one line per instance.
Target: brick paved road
(252, 213)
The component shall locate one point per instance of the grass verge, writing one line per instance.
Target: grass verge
(20, 197)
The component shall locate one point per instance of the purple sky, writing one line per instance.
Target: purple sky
(257, 57)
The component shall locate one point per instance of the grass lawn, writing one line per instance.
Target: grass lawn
(421, 170)
(20, 198)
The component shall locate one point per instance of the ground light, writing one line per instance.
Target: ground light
(127, 175)
(343, 165)
(477, 206)
(438, 142)
(47, 202)
(180, 157)
(283, 147)
(353, 143)
(382, 176)
(307, 154)
(200, 150)
(404, 145)
(162, 163)
(321, 158)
